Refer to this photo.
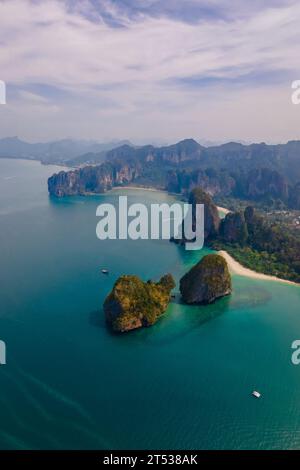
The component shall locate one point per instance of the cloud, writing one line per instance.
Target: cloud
(190, 11)
(134, 68)
(32, 97)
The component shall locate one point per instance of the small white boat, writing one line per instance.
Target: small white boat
(104, 271)
(256, 394)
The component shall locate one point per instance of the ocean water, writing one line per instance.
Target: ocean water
(184, 383)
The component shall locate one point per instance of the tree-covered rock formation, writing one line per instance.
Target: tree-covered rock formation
(211, 217)
(207, 281)
(234, 229)
(211, 214)
(133, 303)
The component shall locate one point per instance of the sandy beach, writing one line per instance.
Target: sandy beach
(223, 209)
(236, 268)
(136, 187)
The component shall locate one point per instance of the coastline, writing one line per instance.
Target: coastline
(223, 210)
(236, 268)
(137, 187)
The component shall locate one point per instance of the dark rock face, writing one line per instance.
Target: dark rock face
(207, 281)
(262, 182)
(254, 184)
(135, 304)
(246, 228)
(234, 228)
(211, 181)
(249, 214)
(211, 214)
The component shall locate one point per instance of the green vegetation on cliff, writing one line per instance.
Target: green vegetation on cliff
(133, 303)
(211, 215)
(260, 245)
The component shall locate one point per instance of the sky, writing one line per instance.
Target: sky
(150, 70)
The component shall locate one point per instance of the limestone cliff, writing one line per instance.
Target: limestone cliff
(92, 179)
(211, 214)
(207, 281)
(234, 228)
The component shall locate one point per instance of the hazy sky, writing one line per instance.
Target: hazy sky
(150, 70)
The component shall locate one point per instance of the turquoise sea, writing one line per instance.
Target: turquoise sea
(184, 383)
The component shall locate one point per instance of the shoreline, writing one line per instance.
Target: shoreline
(236, 268)
(223, 209)
(142, 188)
(137, 187)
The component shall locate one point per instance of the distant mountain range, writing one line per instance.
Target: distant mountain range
(256, 171)
(67, 151)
